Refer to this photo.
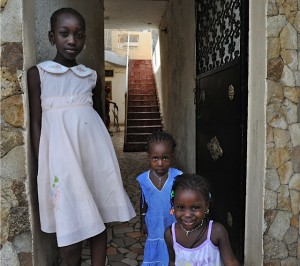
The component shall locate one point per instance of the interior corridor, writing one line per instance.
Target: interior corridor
(125, 243)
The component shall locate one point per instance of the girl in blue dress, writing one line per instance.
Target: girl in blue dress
(156, 185)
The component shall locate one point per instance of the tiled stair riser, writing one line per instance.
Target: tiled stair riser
(143, 115)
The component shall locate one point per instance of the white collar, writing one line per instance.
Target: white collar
(55, 68)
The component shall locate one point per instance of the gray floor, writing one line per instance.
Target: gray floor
(125, 243)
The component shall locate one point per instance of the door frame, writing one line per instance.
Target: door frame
(256, 135)
(243, 58)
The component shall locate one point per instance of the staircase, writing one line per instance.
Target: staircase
(143, 115)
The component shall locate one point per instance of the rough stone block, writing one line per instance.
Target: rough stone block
(8, 256)
(13, 164)
(12, 55)
(277, 157)
(9, 82)
(12, 110)
(295, 157)
(11, 137)
(275, 68)
(18, 221)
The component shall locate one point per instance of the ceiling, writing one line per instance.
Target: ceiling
(133, 14)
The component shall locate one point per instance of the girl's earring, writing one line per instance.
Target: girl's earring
(172, 211)
(207, 212)
(84, 46)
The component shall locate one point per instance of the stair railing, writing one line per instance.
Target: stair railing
(115, 112)
(126, 89)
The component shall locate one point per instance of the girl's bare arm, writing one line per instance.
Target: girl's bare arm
(35, 109)
(97, 97)
(143, 211)
(169, 242)
(220, 238)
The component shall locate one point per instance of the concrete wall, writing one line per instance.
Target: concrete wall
(142, 51)
(156, 64)
(24, 42)
(118, 87)
(177, 72)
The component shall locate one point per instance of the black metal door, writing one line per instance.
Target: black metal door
(221, 110)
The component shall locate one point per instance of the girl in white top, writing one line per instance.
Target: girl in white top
(194, 240)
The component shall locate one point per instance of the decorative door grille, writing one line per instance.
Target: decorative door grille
(218, 33)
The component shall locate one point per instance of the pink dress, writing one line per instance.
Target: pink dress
(79, 181)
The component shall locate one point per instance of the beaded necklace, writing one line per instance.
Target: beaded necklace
(159, 177)
(188, 232)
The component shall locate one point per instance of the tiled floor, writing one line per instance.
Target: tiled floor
(125, 243)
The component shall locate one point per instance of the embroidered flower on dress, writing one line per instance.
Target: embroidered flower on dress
(53, 67)
(55, 182)
(56, 66)
(80, 68)
(55, 191)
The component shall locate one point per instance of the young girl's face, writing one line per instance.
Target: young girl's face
(189, 207)
(68, 36)
(160, 157)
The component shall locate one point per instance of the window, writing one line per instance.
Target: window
(109, 73)
(123, 41)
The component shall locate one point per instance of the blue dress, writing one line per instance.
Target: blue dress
(158, 217)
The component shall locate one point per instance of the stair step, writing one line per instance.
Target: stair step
(137, 137)
(143, 108)
(141, 86)
(148, 91)
(143, 122)
(137, 97)
(143, 115)
(142, 102)
(135, 147)
(141, 80)
(137, 76)
(143, 129)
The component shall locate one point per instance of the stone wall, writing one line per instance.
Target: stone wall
(282, 182)
(15, 236)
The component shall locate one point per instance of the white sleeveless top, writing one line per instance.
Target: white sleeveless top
(206, 254)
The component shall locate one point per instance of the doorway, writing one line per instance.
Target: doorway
(221, 110)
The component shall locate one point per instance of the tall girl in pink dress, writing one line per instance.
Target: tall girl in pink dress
(79, 182)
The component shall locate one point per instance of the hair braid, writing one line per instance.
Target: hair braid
(161, 136)
(192, 182)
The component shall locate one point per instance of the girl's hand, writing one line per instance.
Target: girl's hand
(35, 108)
(144, 229)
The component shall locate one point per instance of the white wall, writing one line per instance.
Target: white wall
(177, 72)
(156, 64)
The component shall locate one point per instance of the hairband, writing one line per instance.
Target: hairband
(172, 194)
